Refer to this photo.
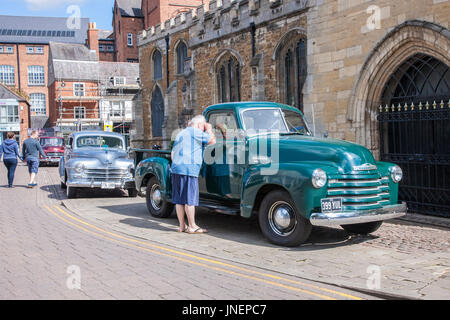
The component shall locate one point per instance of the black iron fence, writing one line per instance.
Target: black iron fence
(417, 138)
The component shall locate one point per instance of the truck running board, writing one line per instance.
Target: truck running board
(218, 207)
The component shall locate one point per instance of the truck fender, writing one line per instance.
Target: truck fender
(158, 167)
(294, 178)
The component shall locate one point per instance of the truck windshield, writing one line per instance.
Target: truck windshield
(274, 120)
(99, 142)
(54, 142)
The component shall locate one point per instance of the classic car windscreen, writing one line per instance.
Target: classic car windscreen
(295, 122)
(264, 119)
(54, 142)
(99, 142)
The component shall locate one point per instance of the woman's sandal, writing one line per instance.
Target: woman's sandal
(197, 231)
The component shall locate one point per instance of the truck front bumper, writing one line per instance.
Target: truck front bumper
(360, 216)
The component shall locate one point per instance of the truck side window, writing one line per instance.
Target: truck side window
(224, 124)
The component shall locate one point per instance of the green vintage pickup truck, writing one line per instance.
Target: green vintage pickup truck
(267, 164)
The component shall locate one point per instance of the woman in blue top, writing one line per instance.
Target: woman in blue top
(10, 150)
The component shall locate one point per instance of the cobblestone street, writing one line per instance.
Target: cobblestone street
(45, 237)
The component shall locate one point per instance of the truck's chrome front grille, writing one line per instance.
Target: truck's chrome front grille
(360, 194)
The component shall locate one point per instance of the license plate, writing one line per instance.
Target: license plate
(55, 160)
(108, 185)
(331, 205)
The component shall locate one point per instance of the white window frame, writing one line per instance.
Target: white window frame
(8, 111)
(101, 48)
(38, 105)
(7, 73)
(9, 49)
(39, 50)
(130, 39)
(36, 76)
(81, 89)
(76, 110)
(120, 81)
(117, 112)
(110, 48)
(2, 49)
(30, 50)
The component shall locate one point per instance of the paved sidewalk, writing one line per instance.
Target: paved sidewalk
(43, 251)
(414, 260)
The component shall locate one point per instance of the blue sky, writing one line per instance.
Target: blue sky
(99, 11)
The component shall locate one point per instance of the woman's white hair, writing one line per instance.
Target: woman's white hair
(196, 120)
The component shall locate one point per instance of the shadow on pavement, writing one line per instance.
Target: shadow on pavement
(234, 228)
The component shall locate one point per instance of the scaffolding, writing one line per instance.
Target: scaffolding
(93, 100)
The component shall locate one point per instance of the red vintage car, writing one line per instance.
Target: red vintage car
(53, 148)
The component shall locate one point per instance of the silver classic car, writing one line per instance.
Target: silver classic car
(96, 159)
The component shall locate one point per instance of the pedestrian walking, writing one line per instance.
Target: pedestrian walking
(10, 150)
(187, 158)
(31, 149)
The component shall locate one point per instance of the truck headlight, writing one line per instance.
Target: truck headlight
(319, 178)
(79, 168)
(396, 173)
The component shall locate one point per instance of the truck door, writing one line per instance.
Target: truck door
(224, 164)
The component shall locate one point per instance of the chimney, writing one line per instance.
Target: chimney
(92, 38)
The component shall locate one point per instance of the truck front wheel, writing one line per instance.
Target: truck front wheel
(280, 221)
(362, 228)
(156, 204)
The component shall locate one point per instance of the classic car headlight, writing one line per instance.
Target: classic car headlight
(396, 173)
(319, 178)
(79, 167)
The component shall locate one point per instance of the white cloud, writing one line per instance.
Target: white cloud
(37, 5)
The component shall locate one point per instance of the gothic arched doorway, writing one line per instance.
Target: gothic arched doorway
(157, 109)
(415, 132)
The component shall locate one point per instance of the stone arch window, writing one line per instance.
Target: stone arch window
(182, 54)
(157, 112)
(157, 65)
(420, 78)
(228, 73)
(292, 71)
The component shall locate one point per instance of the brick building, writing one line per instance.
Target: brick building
(24, 55)
(132, 16)
(85, 92)
(348, 65)
(106, 45)
(14, 114)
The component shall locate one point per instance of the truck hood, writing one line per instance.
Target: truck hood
(341, 155)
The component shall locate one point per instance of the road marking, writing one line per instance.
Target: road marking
(180, 253)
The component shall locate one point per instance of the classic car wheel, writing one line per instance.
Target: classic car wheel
(132, 193)
(280, 221)
(362, 228)
(156, 204)
(71, 192)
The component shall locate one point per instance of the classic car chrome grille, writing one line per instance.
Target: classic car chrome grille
(106, 174)
(360, 194)
(54, 154)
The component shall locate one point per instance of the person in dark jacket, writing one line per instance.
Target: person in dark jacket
(10, 150)
(30, 150)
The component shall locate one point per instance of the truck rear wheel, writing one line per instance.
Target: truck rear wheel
(362, 228)
(280, 221)
(156, 204)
